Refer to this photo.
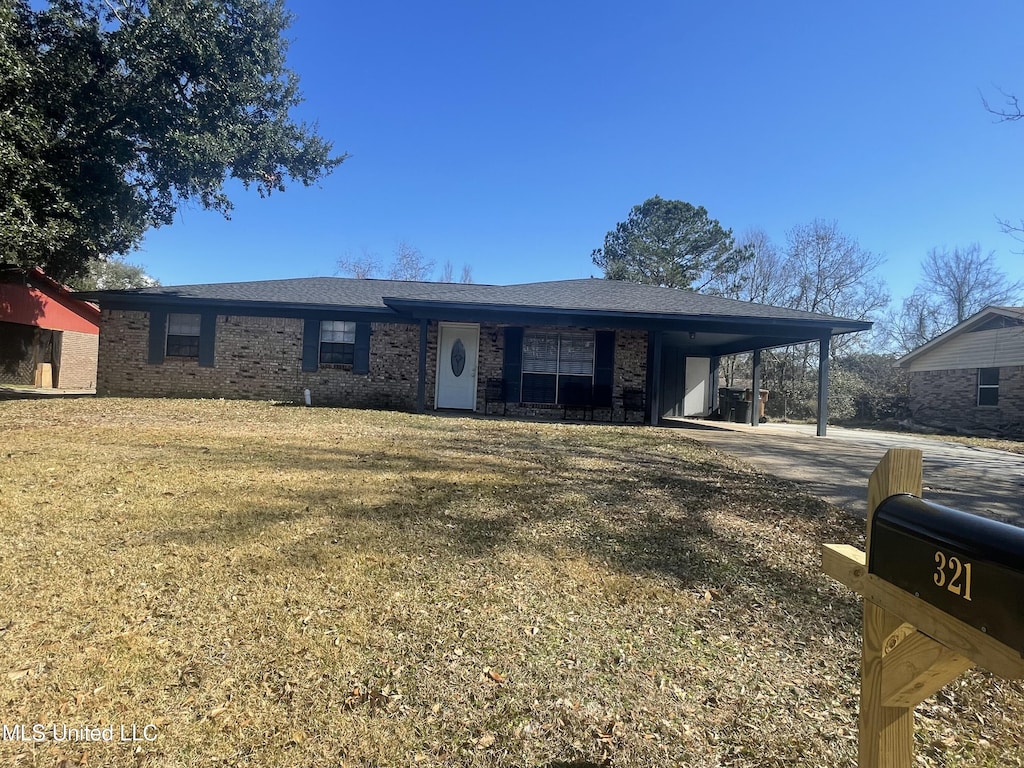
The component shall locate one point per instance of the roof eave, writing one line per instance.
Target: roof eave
(119, 300)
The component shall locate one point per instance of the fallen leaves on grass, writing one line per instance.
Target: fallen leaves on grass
(495, 676)
(287, 586)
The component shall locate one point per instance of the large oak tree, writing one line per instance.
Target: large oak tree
(115, 112)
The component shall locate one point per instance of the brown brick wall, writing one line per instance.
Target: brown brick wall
(949, 398)
(492, 359)
(257, 358)
(630, 368)
(261, 358)
(78, 353)
(122, 353)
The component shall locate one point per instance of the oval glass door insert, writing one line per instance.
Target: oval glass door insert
(458, 357)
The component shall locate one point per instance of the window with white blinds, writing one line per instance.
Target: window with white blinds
(553, 361)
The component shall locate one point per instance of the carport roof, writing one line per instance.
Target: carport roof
(610, 296)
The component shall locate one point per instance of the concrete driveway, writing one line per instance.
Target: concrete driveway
(837, 467)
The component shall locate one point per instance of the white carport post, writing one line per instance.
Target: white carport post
(823, 355)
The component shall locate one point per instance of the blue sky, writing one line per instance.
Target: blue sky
(512, 136)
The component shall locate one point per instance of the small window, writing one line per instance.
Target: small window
(988, 386)
(337, 342)
(182, 335)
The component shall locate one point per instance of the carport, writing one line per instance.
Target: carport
(684, 360)
(680, 361)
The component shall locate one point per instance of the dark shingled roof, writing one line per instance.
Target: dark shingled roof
(312, 291)
(599, 295)
(592, 296)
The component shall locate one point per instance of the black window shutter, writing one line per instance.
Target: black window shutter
(157, 335)
(604, 368)
(361, 358)
(512, 369)
(207, 338)
(310, 345)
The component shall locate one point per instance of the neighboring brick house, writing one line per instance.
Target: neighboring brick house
(525, 349)
(44, 327)
(972, 376)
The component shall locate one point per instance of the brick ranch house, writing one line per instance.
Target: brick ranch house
(43, 326)
(527, 349)
(972, 376)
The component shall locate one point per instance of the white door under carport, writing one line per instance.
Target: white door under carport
(685, 391)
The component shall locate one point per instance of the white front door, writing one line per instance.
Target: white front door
(457, 346)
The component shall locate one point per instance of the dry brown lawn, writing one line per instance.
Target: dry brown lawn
(276, 586)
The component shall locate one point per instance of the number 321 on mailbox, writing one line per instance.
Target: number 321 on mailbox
(969, 567)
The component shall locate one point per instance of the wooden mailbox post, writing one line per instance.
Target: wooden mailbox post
(942, 593)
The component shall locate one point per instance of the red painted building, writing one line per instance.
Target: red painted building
(43, 324)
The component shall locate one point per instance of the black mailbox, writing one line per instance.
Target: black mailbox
(967, 566)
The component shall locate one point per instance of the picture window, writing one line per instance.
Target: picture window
(554, 363)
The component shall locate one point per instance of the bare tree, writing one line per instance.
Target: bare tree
(764, 276)
(447, 273)
(410, 264)
(1010, 111)
(955, 285)
(823, 270)
(363, 266)
(1016, 231)
(963, 282)
(760, 277)
(832, 274)
(913, 324)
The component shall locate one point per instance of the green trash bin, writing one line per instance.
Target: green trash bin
(742, 412)
(726, 404)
